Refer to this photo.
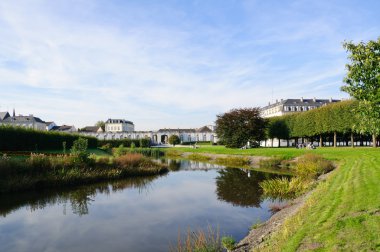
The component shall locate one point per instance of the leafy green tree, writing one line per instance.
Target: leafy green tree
(277, 128)
(101, 124)
(363, 83)
(174, 139)
(79, 149)
(238, 126)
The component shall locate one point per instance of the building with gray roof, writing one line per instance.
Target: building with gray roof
(286, 106)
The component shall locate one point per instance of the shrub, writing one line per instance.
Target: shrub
(79, 149)
(22, 139)
(132, 160)
(228, 242)
(174, 139)
(283, 188)
(310, 166)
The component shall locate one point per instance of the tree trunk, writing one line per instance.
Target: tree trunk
(265, 143)
(334, 139)
(287, 142)
(272, 143)
(279, 143)
(352, 140)
(374, 141)
(361, 140)
(320, 141)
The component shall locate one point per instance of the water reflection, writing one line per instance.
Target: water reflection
(188, 165)
(79, 199)
(240, 186)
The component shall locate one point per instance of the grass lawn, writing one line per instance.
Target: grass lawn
(342, 214)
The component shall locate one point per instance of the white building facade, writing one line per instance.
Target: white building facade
(119, 125)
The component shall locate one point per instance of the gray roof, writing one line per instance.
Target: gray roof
(22, 119)
(301, 102)
(90, 129)
(177, 130)
(204, 129)
(48, 123)
(118, 121)
(61, 128)
(4, 115)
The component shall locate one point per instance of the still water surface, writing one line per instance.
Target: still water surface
(140, 214)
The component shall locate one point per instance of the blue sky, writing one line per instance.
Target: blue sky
(172, 63)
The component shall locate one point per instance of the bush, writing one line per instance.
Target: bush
(129, 161)
(310, 166)
(79, 149)
(283, 188)
(174, 139)
(199, 157)
(22, 139)
(228, 242)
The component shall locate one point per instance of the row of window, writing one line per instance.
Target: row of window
(298, 108)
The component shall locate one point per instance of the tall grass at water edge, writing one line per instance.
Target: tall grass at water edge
(307, 168)
(199, 241)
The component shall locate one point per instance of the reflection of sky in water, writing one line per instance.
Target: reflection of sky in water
(131, 219)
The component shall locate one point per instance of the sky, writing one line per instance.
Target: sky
(172, 64)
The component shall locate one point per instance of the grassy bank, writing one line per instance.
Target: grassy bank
(44, 171)
(343, 213)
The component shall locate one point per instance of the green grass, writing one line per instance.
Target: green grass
(343, 213)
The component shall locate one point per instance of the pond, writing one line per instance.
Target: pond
(139, 214)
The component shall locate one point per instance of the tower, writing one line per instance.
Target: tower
(14, 112)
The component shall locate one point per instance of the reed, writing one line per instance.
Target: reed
(199, 157)
(199, 241)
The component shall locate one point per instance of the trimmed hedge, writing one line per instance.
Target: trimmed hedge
(23, 139)
(143, 142)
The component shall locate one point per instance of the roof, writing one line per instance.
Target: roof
(177, 130)
(204, 129)
(91, 129)
(301, 102)
(62, 128)
(48, 123)
(23, 119)
(4, 115)
(118, 121)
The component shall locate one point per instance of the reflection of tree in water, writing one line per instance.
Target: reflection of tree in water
(174, 165)
(79, 198)
(240, 187)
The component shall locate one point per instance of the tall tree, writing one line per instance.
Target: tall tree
(101, 124)
(363, 83)
(238, 126)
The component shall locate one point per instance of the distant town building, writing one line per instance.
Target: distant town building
(119, 125)
(286, 106)
(92, 129)
(203, 134)
(4, 115)
(50, 125)
(22, 121)
(64, 128)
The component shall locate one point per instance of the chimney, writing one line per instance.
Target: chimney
(268, 103)
(314, 100)
(301, 99)
(276, 100)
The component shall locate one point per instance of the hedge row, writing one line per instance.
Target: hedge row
(143, 142)
(23, 139)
